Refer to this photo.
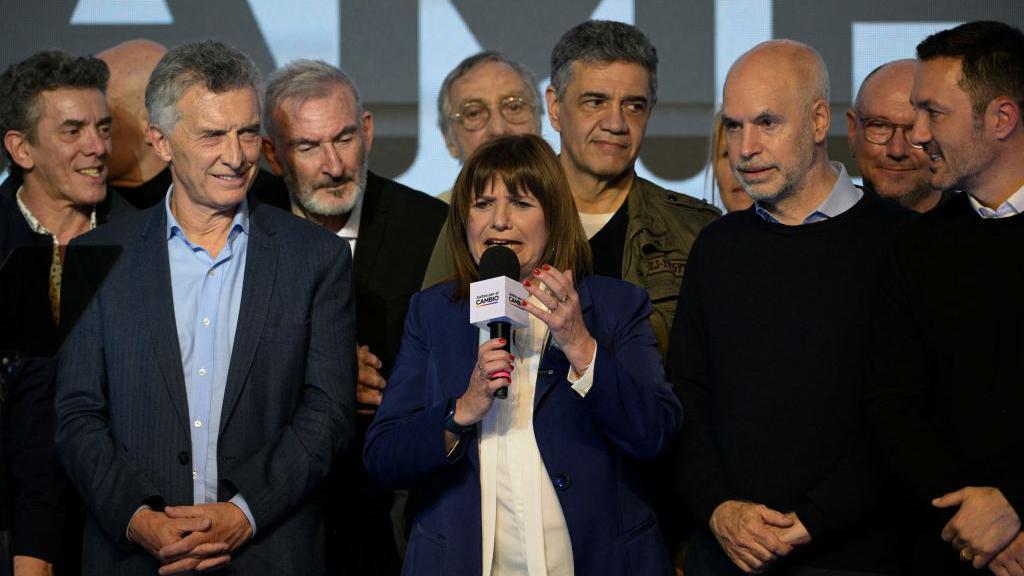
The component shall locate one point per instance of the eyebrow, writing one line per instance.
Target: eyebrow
(767, 115)
(75, 123)
(249, 129)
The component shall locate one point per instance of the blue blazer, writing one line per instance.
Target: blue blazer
(122, 410)
(588, 444)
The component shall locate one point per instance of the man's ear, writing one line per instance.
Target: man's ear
(821, 117)
(20, 149)
(368, 130)
(160, 143)
(851, 132)
(552, 99)
(1004, 114)
(270, 154)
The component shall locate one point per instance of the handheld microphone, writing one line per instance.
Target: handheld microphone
(496, 300)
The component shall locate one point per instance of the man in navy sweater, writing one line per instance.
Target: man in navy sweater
(768, 345)
(948, 397)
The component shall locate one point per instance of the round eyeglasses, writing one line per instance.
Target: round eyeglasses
(878, 131)
(475, 114)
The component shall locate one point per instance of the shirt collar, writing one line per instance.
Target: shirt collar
(240, 223)
(844, 195)
(33, 223)
(1010, 207)
(350, 231)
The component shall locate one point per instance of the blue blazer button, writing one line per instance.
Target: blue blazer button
(561, 482)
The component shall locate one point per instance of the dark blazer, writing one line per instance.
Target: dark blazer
(589, 445)
(397, 229)
(44, 511)
(122, 413)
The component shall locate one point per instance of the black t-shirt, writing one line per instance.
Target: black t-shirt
(609, 242)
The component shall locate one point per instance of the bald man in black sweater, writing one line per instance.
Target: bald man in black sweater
(769, 344)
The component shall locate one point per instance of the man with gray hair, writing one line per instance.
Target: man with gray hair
(318, 138)
(200, 399)
(604, 85)
(486, 96)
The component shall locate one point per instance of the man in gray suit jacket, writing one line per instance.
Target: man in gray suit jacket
(201, 396)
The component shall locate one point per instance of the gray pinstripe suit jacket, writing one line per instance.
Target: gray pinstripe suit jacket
(122, 413)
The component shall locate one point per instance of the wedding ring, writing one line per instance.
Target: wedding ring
(966, 555)
(563, 299)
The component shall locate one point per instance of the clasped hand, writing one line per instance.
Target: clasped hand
(191, 538)
(984, 526)
(753, 535)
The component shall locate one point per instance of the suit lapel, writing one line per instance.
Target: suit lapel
(158, 305)
(257, 287)
(554, 365)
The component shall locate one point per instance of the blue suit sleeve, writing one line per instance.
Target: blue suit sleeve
(630, 400)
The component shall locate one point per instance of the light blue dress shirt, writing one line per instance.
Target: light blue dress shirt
(842, 197)
(1010, 207)
(207, 293)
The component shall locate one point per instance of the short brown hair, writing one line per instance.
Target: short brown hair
(523, 163)
(991, 56)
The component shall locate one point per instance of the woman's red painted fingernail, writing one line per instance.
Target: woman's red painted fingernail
(546, 267)
(501, 340)
(527, 284)
(536, 271)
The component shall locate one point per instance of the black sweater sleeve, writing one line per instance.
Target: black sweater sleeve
(700, 478)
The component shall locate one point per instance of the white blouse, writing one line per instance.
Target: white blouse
(524, 531)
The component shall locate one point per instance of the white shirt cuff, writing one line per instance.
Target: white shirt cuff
(128, 529)
(239, 500)
(583, 384)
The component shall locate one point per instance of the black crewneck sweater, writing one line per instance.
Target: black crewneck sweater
(768, 355)
(948, 395)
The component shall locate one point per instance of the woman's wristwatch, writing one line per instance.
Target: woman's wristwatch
(451, 425)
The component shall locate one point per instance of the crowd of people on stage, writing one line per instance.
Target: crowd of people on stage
(228, 346)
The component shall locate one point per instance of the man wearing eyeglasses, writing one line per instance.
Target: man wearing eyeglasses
(484, 97)
(879, 126)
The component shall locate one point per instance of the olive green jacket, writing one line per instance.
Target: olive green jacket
(662, 227)
(661, 230)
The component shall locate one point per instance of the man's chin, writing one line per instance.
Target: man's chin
(331, 205)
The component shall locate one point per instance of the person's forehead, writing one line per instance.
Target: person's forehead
(756, 91)
(488, 81)
(616, 75)
(70, 103)
(887, 95)
(338, 101)
(201, 105)
(937, 74)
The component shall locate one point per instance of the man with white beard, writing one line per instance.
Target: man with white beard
(318, 138)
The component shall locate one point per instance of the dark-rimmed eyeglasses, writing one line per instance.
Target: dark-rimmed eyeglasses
(475, 114)
(879, 131)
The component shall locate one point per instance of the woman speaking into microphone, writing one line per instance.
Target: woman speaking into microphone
(543, 481)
